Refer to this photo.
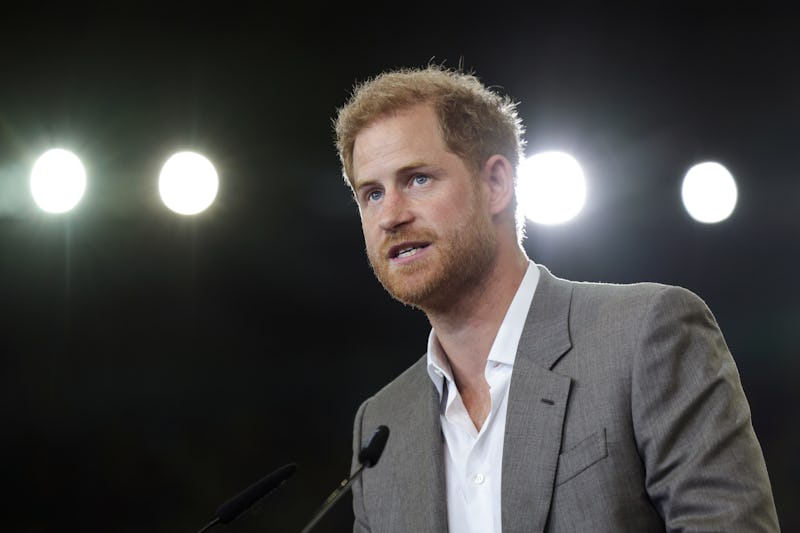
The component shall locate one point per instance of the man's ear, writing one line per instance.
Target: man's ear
(498, 175)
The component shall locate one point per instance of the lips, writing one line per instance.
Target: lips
(406, 249)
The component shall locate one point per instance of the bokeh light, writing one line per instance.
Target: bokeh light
(188, 183)
(58, 181)
(709, 192)
(551, 187)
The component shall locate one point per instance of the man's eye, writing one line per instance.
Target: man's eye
(374, 195)
(421, 179)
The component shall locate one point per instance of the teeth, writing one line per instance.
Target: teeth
(408, 252)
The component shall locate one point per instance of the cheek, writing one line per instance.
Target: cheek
(446, 214)
(370, 222)
(371, 236)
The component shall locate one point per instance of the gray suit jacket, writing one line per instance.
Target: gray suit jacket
(625, 413)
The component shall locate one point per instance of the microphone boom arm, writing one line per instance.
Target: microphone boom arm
(334, 496)
(368, 457)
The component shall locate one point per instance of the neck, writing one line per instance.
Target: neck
(466, 329)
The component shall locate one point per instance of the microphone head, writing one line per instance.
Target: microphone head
(370, 453)
(242, 501)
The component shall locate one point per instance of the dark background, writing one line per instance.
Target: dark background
(152, 365)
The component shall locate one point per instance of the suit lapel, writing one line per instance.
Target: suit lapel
(424, 449)
(536, 406)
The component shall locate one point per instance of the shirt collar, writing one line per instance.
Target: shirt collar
(504, 347)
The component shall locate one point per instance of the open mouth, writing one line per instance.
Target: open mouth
(404, 250)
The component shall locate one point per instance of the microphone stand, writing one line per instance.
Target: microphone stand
(343, 487)
(368, 457)
(210, 525)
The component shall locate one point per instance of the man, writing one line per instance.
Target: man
(541, 404)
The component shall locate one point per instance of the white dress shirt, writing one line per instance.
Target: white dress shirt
(474, 459)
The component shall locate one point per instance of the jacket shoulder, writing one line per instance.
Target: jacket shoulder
(630, 296)
(409, 384)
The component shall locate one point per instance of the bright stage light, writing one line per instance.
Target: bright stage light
(188, 183)
(709, 192)
(58, 181)
(551, 188)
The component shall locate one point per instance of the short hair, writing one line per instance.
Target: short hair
(475, 121)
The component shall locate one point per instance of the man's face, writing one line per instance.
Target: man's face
(427, 228)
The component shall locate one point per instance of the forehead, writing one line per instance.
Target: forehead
(397, 140)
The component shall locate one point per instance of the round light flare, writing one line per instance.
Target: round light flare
(188, 183)
(551, 188)
(709, 192)
(58, 181)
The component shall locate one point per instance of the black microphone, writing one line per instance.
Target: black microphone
(368, 457)
(370, 453)
(232, 508)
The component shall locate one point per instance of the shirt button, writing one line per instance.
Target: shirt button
(479, 479)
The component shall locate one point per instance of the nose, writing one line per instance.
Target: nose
(394, 211)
